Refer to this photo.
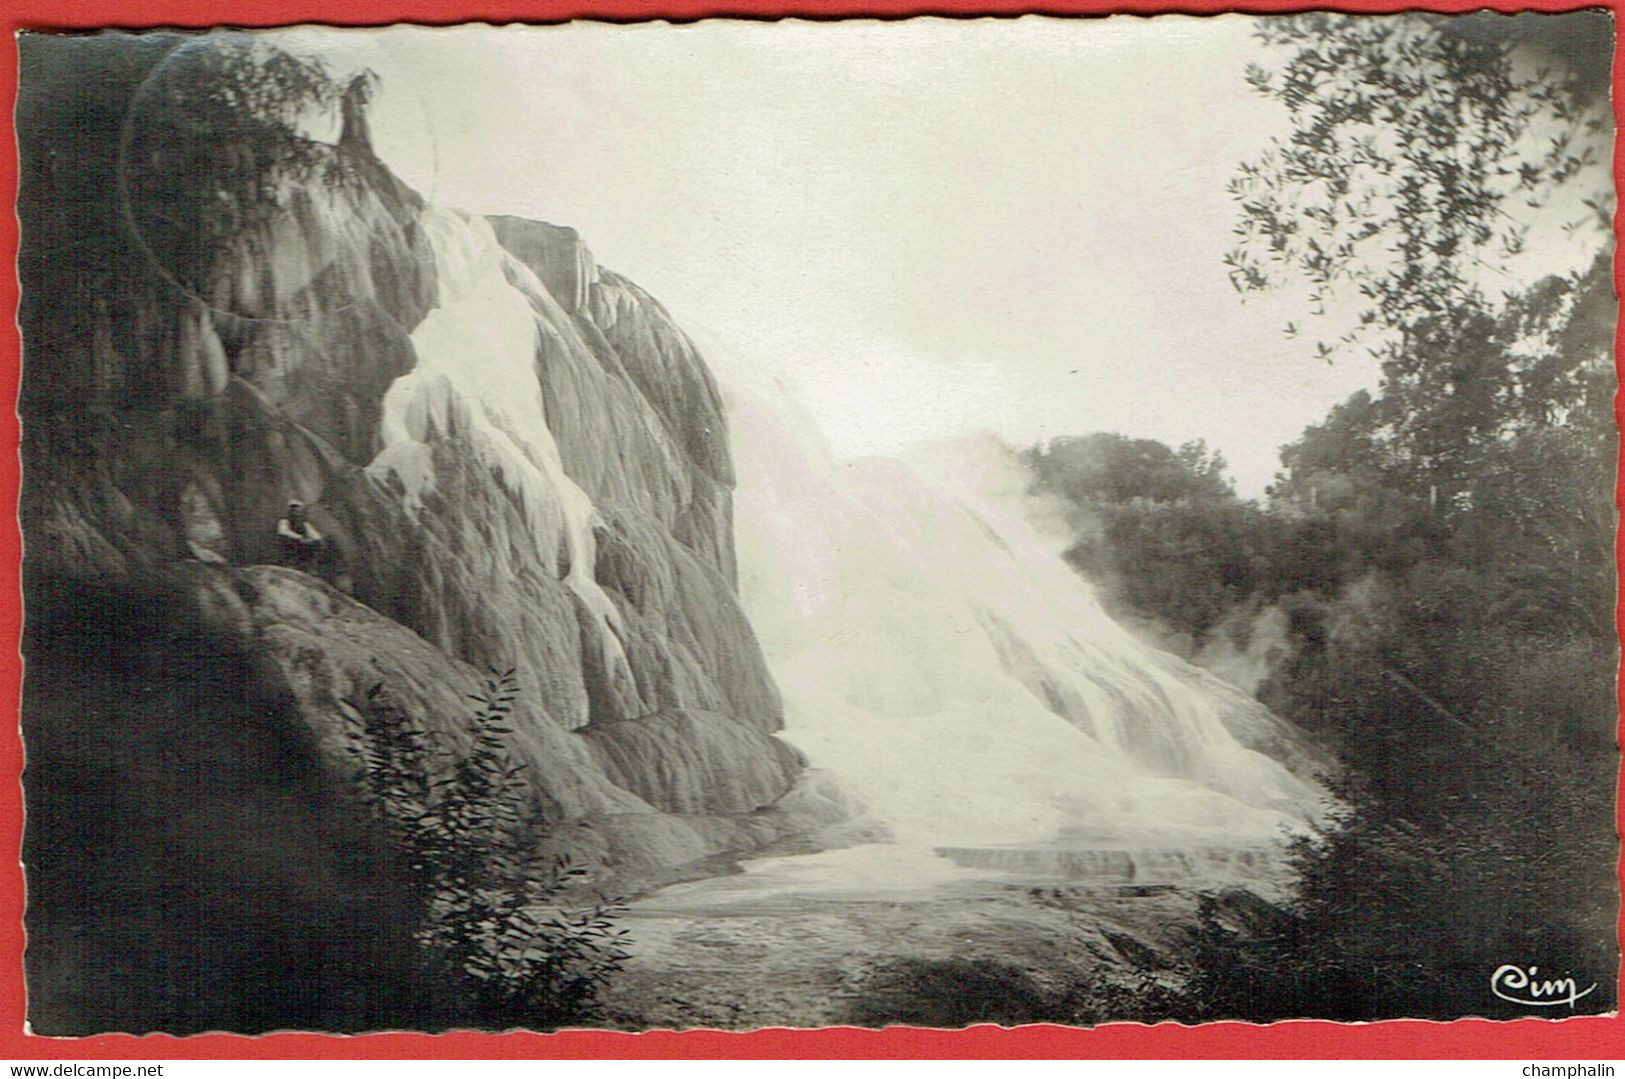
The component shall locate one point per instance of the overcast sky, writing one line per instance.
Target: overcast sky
(928, 228)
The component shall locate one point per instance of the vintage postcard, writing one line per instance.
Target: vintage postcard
(805, 524)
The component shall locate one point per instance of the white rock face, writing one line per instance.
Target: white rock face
(475, 381)
(517, 461)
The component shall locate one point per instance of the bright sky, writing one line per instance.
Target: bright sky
(926, 228)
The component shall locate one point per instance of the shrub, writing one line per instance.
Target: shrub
(496, 946)
(1394, 920)
(215, 145)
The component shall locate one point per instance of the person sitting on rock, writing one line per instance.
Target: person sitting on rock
(301, 543)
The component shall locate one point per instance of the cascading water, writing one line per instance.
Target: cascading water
(960, 679)
(475, 379)
(935, 656)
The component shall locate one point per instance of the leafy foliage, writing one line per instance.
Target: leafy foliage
(216, 143)
(1419, 144)
(1447, 589)
(1106, 468)
(1160, 529)
(1496, 448)
(491, 926)
(1395, 917)
(1442, 549)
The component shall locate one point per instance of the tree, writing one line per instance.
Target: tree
(1419, 144)
(496, 946)
(1160, 530)
(215, 140)
(1461, 660)
(1113, 468)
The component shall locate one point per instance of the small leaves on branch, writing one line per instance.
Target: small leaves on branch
(1418, 145)
(217, 142)
(494, 932)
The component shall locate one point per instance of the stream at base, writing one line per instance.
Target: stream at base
(1060, 795)
(889, 933)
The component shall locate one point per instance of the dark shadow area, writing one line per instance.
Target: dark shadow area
(951, 993)
(190, 866)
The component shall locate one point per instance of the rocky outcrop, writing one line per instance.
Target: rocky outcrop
(557, 254)
(515, 459)
(687, 762)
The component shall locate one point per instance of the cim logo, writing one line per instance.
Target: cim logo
(1513, 983)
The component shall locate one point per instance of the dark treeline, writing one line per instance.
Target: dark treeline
(1441, 587)
(1431, 580)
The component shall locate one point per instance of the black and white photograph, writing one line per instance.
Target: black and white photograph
(797, 524)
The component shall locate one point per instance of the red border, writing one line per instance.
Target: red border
(1584, 1038)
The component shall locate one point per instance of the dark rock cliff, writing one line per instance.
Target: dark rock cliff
(195, 856)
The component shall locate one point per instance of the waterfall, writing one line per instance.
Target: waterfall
(935, 655)
(940, 659)
(475, 382)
